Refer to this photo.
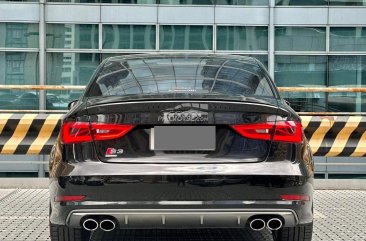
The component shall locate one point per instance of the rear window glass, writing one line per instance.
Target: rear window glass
(181, 77)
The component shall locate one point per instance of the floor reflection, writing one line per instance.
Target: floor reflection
(183, 235)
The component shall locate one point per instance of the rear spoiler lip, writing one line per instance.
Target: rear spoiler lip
(267, 104)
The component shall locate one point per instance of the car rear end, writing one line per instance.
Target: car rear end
(177, 141)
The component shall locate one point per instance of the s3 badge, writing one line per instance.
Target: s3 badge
(112, 152)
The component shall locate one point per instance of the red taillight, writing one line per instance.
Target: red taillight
(288, 131)
(283, 131)
(76, 132)
(78, 198)
(262, 131)
(103, 132)
(295, 197)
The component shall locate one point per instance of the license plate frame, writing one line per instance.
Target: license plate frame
(183, 138)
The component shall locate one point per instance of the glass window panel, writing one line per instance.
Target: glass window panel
(108, 1)
(18, 0)
(262, 58)
(72, 36)
(348, 39)
(19, 35)
(71, 68)
(300, 39)
(108, 55)
(242, 38)
(302, 71)
(196, 2)
(307, 102)
(347, 71)
(301, 2)
(347, 2)
(242, 2)
(177, 37)
(59, 99)
(130, 1)
(129, 36)
(75, 1)
(347, 102)
(19, 100)
(181, 75)
(18, 69)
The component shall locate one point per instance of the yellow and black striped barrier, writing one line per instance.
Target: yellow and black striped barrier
(329, 136)
(28, 133)
(333, 136)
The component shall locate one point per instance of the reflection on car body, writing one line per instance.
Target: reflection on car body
(231, 153)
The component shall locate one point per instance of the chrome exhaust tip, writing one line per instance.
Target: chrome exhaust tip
(107, 225)
(257, 224)
(274, 224)
(90, 224)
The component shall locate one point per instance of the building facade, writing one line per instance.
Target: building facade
(303, 43)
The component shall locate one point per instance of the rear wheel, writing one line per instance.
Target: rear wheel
(64, 233)
(302, 232)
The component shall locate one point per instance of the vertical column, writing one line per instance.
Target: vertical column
(42, 54)
(271, 38)
(42, 71)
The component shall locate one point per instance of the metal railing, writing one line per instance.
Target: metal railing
(310, 89)
(42, 87)
(282, 89)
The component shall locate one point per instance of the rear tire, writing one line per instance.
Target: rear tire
(303, 232)
(64, 233)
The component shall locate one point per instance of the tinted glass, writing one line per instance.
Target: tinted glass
(130, 1)
(242, 38)
(108, 1)
(18, 1)
(59, 100)
(182, 37)
(19, 35)
(263, 59)
(348, 2)
(72, 36)
(71, 68)
(347, 102)
(129, 36)
(18, 68)
(189, 77)
(19, 100)
(242, 2)
(348, 39)
(196, 2)
(300, 39)
(347, 71)
(75, 1)
(301, 2)
(302, 71)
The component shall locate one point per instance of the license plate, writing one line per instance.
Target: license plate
(183, 138)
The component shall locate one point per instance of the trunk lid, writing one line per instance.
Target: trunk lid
(168, 120)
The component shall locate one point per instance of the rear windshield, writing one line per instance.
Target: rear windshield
(189, 77)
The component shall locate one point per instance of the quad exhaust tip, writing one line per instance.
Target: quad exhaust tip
(107, 225)
(274, 224)
(90, 225)
(257, 224)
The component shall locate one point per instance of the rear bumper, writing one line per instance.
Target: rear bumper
(182, 203)
(151, 191)
(178, 218)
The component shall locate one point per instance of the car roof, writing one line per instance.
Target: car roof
(240, 58)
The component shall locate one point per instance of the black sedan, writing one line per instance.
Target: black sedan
(177, 141)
